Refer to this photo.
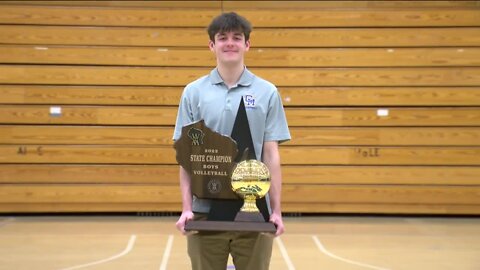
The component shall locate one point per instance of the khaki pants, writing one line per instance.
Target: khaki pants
(209, 250)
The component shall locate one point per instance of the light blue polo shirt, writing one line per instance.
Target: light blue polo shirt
(209, 98)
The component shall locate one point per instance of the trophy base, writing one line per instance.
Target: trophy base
(249, 216)
(235, 226)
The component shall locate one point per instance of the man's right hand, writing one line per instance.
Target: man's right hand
(186, 216)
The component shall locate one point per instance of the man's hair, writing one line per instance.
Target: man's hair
(229, 22)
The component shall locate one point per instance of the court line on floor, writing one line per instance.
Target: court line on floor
(166, 253)
(284, 253)
(328, 253)
(129, 247)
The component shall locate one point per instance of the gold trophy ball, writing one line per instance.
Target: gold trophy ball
(251, 181)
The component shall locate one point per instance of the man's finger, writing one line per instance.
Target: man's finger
(190, 233)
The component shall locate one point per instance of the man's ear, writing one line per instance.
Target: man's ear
(211, 45)
(247, 45)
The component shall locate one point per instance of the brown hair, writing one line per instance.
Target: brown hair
(228, 22)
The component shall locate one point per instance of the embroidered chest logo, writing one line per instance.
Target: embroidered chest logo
(196, 135)
(249, 101)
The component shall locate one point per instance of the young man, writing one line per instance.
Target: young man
(215, 99)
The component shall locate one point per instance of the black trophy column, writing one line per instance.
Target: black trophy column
(226, 210)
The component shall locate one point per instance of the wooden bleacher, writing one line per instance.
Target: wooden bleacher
(382, 99)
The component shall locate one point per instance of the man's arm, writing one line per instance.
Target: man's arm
(271, 158)
(185, 187)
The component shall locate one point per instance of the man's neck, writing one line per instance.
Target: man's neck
(230, 74)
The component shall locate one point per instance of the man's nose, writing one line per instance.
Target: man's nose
(230, 41)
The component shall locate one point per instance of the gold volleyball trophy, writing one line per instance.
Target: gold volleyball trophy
(251, 181)
(225, 170)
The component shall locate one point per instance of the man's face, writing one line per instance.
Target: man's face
(229, 47)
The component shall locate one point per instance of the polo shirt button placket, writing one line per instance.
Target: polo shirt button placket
(228, 106)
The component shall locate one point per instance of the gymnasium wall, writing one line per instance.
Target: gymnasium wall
(382, 98)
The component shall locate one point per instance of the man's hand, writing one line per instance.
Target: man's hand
(277, 220)
(186, 216)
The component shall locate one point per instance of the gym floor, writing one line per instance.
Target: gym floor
(116, 242)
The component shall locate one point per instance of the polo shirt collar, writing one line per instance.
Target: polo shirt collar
(246, 78)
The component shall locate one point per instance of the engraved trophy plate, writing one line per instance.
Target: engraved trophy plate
(208, 158)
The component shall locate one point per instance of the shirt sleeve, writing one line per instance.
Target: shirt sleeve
(184, 115)
(276, 128)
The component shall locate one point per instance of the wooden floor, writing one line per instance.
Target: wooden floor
(322, 242)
